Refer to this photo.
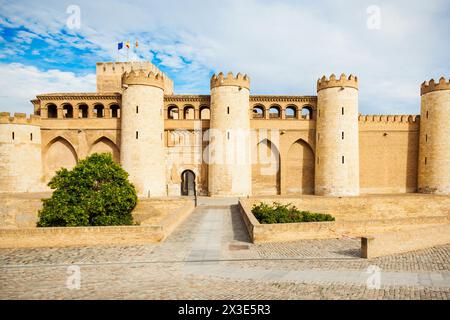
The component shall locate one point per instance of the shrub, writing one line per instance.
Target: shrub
(279, 213)
(96, 192)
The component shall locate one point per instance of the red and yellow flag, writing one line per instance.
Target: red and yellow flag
(127, 44)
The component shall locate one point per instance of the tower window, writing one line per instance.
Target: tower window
(31, 137)
(137, 134)
(425, 160)
(318, 160)
(343, 160)
(137, 109)
(342, 111)
(427, 114)
(13, 135)
(228, 110)
(342, 135)
(426, 138)
(228, 135)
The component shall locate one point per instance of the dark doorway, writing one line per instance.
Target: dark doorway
(187, 183)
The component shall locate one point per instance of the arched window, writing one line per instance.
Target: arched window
(52, 111)
(67, 111)
(307, 112)
(205, 113)
(99, 111)
(258, 112)
(173, 112)
(83, 110)
(274, 112)
(291, 112)
(115, 109)
(189, 112)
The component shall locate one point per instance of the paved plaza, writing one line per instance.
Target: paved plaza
(209, 256)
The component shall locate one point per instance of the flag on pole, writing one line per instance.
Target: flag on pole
(120, 45)
(127, 44)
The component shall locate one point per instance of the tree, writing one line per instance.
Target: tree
(96, 192)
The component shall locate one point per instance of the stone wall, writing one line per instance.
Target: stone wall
(388, 153)
(79, 236)
(355, 216)
(405, 240)
(157, 219)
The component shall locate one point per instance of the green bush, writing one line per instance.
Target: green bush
(279, 213)
(96, 192)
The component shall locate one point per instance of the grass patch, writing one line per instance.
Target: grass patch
(286, 213)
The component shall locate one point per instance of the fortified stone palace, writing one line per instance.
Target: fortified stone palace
(315, 144)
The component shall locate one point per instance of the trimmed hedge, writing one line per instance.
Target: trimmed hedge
(279, 213)
(96, 192)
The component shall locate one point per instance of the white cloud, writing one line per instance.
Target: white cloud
(19, 84)
(283, 46)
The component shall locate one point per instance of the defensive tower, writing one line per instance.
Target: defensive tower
(20, 153)
(142, 152)
(434, 145)
(229, 172)
(337, 146)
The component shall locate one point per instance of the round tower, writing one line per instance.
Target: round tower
(142, 129)
(20, 153)
(337, 146)
(229, 172)
(434, 141)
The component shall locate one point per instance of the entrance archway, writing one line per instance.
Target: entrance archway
(187, 183)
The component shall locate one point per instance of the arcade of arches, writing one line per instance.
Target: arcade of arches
(268, 165)
(60, 153)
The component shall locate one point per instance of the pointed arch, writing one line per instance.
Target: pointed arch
(266, 169)
(59, 153)
(300, 166)
(105, 145)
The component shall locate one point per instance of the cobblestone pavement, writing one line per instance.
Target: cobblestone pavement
(210, 257)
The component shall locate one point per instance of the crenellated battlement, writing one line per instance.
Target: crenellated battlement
(19, 118)
(343, 81)
(399, 118)
(109, 75)
(429, 86)
(229, 80)
(141, 77)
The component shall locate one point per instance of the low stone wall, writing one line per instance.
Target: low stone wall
(367, 207)
(155, 225)
(284, 231)
(280, 232)
(404, 241)
(79, 236)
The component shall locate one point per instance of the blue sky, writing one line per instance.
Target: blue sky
(283, 45)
